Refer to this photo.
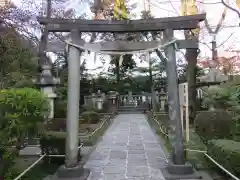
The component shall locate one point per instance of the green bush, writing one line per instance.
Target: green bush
(56, 124)
(21, 112)
(219, 97)
(226, 153)
(236, 129)
(91, 117)
(23, 109)
(54, 144)
(60, 109)
(213, 125)
(7, 157)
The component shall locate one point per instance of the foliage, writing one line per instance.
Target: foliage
(60, 108)
(51, 144)
(56, 124)
(22, 110)
(120, 70)
(17, 65)
(226, 153)
(182, 73)
(213, 124)
(227, 97)
(196, 158)
(7, 160)
(90, 117)
(236, 129)
(219, 97)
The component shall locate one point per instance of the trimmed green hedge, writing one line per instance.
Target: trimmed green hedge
(226, 153)
(213, 125)
(91, 117)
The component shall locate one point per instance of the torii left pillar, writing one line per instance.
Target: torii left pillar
(72, 168)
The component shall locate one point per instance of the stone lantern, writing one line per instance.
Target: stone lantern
(112, 96)
(99, 100)
(127, 86)
(47, 82)
(163, 99)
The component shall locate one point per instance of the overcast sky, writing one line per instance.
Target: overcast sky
(227, 38)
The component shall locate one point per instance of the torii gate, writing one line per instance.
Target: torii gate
(72, 169)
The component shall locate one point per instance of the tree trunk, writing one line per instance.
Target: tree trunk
(191, 57)
(153, 104)
(117, 73)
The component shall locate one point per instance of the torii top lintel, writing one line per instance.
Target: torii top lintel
(158, 24)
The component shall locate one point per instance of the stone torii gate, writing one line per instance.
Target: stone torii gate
(72, 169)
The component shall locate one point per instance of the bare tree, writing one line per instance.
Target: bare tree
(231, 8)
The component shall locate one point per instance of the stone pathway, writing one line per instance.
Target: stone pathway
(129, 151)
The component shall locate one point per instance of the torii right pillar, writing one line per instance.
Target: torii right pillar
(177, 167)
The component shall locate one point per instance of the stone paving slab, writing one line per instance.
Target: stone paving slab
(129, 150)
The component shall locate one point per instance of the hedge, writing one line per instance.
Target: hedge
(226, 153)
(52, 144)
(213, 125)
(91, 117)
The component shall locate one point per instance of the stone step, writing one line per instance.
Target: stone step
(130, 112)
(132, 109)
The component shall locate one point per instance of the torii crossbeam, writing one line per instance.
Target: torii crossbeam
(158, 24)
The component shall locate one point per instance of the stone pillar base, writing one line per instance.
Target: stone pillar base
(186, 171)
(76, 173)
(187, 168)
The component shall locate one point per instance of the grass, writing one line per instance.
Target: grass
(196, 158)
(38, 172)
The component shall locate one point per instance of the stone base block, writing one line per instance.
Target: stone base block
(183, 172)
(76, 173)
(187, 168)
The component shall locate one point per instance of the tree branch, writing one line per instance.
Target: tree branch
(231, 8)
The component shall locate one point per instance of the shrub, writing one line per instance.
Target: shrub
(218, 97)
(226, 153)
(56, 124)
(91, 117)
(60, 109)
(88, 107)
(24, 108)
(54, 144)
(213, 124)
(21, 111)
(7, 157)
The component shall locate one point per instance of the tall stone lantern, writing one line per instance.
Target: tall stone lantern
(47, 82)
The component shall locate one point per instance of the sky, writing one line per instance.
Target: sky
(227, 39)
